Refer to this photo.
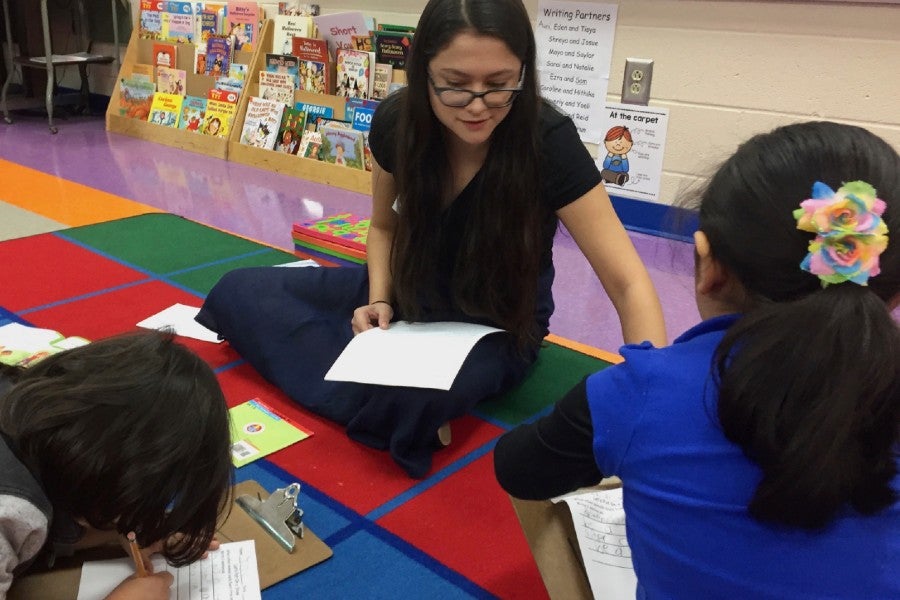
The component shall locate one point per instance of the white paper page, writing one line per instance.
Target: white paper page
(425, 355)
(180, 318)
(599, 520)
(300, 263)
(23, 337)
(229, 573)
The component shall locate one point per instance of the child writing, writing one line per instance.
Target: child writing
(472, 173)
(126, 434)
(758, 453)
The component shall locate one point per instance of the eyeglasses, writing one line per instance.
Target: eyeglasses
(494, 98)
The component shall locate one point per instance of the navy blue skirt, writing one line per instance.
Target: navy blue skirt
(292, 323)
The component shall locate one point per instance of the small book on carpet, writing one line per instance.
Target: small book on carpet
(258, 430)
(23, 346)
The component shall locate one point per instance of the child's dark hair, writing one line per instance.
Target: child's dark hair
(503, 232)
(809, 377)
(129, 433)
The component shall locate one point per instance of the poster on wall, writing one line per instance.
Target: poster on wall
(574, 51)
(630, 156)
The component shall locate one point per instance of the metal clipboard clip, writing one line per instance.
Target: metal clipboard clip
(278, 514)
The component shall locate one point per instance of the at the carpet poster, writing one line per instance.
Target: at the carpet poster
(574, 49)
(630, 156)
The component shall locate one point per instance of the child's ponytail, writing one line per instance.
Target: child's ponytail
(809, 389)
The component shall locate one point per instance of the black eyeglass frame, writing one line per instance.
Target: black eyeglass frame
(473, 95)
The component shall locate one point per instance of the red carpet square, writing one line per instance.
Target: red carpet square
(42, 269)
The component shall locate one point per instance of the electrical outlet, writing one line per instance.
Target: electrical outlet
(636, 83)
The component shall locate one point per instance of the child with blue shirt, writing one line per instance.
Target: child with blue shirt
(758, 453)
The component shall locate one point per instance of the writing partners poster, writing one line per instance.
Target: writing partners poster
(630, 156)
(574, 51)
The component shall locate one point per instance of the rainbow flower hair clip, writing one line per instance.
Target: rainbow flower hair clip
(850, 234)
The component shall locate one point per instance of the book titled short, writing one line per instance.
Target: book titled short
(257, 430)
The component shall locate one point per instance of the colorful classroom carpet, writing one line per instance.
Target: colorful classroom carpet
(452, 535)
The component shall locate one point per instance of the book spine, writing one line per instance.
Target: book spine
(350, 253)
(299, 229)
(332, 254)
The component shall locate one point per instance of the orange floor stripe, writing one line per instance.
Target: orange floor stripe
(63, 201)
(609, 357)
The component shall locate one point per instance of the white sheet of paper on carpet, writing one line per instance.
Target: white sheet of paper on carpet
(424, 355)
(599, 520)
(180, 319)
(229, 573)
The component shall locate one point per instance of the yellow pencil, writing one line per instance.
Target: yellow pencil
(136, 554)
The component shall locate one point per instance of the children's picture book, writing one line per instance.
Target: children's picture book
(218, 55)
(290, 131)
(208, 20)
(193, 110)
(276, 86)
(313, 111)
(392, 48)
(353, 73)
(381, 82)
(142, 71)
(310, 144)
(315, 74)
(177, 22)
(284, 63)
(200, 59)
(243, 25)
(238, 71)
(338, 29)
(258, 430)
(23, 346)
(165, 109)
(261, 123)
(361, 118)
(362, 42)
(171, 81)
(135, 98)
(287, 27)
(229, 83)
(164, 55)
(342, 146)
(149, 21)
(221, 107)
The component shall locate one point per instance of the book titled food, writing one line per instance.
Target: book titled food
(342, 146)
(259, 430)
(165, 109)
(261, 123)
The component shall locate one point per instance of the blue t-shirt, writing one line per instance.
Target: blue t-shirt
(687, 488)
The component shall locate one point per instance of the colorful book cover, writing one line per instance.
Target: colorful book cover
(209, 20)
(223, 96)
(193, 110)
(261, 123)
(141, 71)
(178, 22)
(149, 21)
(345, 229)
(310, 142)
(276, 86)
(258, 430)
(392, 48)
(284, 63)
(171, 81)
(135, 98)
(229, 83)
(362, 118)
(287, 27)
(164, 55)
(362, 42)
(290, 131)
(338, 29)
(315, 74)
(200, 59)
(353, 73)
(342, 146)
(218, 118)
(218, 55)
(313, 77)
(381, 82)
(23, 346)
(165, 109)
(243, 25)
(309, 48)
(238, 71)
(313, 111)
(298, 9)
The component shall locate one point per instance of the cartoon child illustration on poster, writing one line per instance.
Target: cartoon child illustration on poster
(618, 143)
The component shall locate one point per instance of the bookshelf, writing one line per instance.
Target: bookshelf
(140, 51)
(310, 169)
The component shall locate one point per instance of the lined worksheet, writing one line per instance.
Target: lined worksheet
(229, 573)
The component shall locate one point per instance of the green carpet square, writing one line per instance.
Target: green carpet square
(202, 280)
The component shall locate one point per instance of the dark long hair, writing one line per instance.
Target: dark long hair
(129, 433)
(809, 378)
(496, 270)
